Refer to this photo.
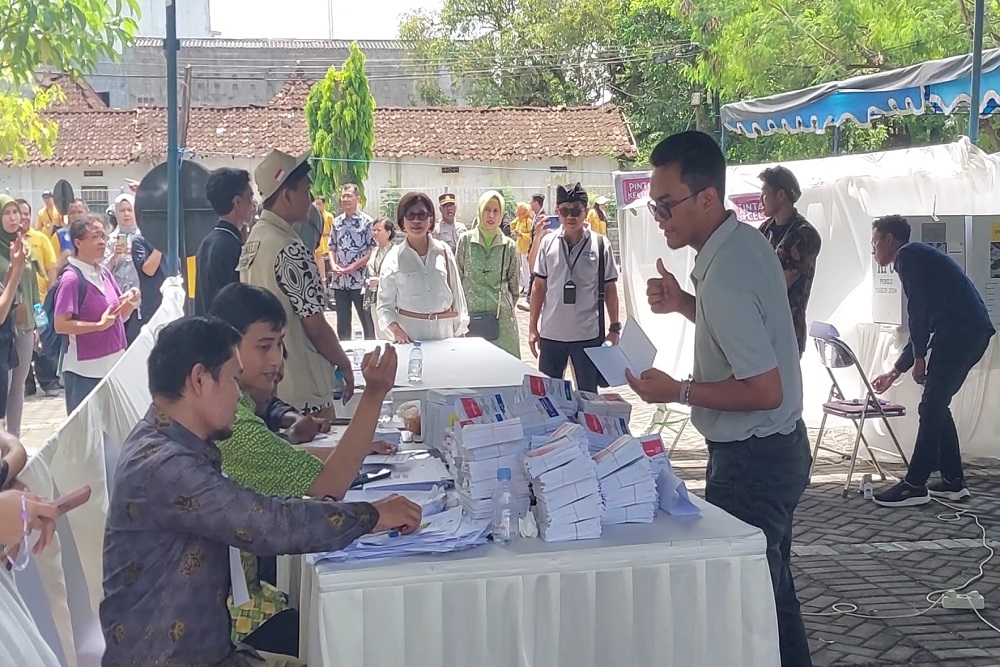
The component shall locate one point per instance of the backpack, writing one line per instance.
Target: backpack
(54, 344)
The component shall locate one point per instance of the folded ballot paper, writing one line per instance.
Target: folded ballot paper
(674, 497)
(559, 392)
(539, 415)
(445, 532)
(443, 408)
(627, 483)
(602, 431)
(564, 481)
(604, 405)
(634, 352)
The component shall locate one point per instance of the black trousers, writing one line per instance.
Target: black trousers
(346, 298)
(554, 356)
(44, 370)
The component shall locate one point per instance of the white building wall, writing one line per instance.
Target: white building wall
(194, 18)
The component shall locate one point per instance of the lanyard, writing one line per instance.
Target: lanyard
(567, 253)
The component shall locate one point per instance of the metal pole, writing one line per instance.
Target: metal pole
(173, 150)
(836, 140)
(977, 71)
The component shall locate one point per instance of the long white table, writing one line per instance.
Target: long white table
(682, 591)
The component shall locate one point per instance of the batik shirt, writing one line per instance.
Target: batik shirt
(797, 244)
(171, 521)
(351, 240)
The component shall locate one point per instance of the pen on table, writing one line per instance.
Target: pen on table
(396, 533)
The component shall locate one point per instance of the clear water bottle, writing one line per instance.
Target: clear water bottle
(359, 351)
(505, 514)
(386, 414)
(41, 319)
(338, 385)
(415, 369)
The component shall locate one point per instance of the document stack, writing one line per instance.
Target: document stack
(559, 392)
(604, 405)
(569, 431)
(443, 408)
(393, 436)
(478, 451)
(602, 431)
(627, 483)
(539, 416)
(564, 481)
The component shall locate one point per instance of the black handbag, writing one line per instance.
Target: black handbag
(486, 324)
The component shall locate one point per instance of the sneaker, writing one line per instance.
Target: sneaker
(946, 490)
(903, 495)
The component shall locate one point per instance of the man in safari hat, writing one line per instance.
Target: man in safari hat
(275, 258)
(448, 229)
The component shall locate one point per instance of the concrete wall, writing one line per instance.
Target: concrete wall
(243, 76)
(193, 18)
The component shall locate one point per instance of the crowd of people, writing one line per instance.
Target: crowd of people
(222, 457)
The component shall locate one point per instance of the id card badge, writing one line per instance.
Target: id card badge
(569, 293)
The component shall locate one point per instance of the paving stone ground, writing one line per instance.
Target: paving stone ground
(846, 550)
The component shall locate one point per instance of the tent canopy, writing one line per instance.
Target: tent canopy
(942, 84)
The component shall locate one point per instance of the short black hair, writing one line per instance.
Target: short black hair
(701, 162)
(298, 174)
(241, 305)
(223, 186)
(78, 228)
(24, 202)
(184, 344)
(781, 179)
(894, 225)
(538, 199)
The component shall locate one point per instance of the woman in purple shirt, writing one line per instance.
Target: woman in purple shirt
(90, 311)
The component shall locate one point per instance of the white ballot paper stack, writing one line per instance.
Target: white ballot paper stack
(478, 451)
(602, 431)
(564, 480)
(605, 405)
(627, 484)
(559, 392)
(443, 408)
(539, 415)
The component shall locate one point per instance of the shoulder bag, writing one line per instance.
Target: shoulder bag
(487, 324)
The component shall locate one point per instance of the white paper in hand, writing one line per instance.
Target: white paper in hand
(634, 352)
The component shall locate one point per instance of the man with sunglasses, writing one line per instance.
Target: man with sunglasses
(569, 293)
(746, 390)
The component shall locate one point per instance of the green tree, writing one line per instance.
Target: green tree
(340, 113)
(68, 36)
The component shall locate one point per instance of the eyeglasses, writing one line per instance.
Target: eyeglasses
(570, 211)
(663, 210)
(419, 216)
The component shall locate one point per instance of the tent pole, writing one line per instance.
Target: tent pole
(836, 140)
(173, 149)
(977, 72)
(722, 139)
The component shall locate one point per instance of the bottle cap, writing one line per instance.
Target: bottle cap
(416, 343)
(503, 474)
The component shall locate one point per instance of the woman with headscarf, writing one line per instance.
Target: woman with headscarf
(28, 297)
(521, 229)
(420, 293)
(118, 257)
(488, 266)
(597, 219)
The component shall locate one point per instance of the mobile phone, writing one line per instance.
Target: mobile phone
(72, 500)
(365, 478)
(553, 222)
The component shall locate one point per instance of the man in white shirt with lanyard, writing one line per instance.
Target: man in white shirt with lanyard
(569, 294)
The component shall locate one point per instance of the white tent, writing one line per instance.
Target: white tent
(841, 196)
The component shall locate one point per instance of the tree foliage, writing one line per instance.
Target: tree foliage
(68, 36)
(340, 113)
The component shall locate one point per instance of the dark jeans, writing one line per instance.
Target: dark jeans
(278, 634)
(78, 388)
(759, 481)
(133, 326)
(44, 371)
(553, 357)
(346, 298)
(936, 448)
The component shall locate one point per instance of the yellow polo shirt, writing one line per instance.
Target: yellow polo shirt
(42, 250)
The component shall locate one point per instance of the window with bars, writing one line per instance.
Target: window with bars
(96, 197)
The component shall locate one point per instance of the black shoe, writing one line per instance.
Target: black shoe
(946, 490)
(903, 495)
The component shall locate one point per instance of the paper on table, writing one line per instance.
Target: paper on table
(674, 495)
(388, 459)
(634, 352)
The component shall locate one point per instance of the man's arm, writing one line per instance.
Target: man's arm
(917, 310)
(278, 414)
(186, 495)
(611, 301)
(799, 257)
(146, 258)
(344, 464)
(12, 451)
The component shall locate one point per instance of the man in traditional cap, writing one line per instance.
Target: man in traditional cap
(575, 274)
(796, 242)
(275, 258)
(448, 229)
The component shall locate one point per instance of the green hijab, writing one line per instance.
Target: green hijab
(489, 235)
(27, 289)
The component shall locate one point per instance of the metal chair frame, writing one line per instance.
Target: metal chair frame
(663, 419)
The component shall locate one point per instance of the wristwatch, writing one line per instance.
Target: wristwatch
(615, 328)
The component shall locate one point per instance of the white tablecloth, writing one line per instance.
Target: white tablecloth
(684, 591)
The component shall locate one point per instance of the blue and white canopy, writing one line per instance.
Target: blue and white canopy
(941, 84)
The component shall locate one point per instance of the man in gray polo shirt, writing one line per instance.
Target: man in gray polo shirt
(746, 391)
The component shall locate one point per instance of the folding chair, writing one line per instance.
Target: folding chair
(835, 354)
(671, 420)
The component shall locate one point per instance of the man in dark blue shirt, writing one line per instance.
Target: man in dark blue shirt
(231, 196)
(947, 315)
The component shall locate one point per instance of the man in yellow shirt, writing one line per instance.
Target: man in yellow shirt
(324, 240)
(48, 217)
(42, 250)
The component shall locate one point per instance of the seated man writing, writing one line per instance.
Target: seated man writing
(173, 513)
(260, 459)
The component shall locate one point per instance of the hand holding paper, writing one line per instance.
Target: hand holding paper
(654, 386)
(635, 353)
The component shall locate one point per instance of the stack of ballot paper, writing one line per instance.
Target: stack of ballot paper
(559, 392)
(414, 475)
(477, 452)
(431, 502)
(539, 415)
(564, 481)
(627, 484)
(568, 432)
(655, 452)
(393, 436)
(604, 405)
(602, 431)
(445, 532)
(443, 408)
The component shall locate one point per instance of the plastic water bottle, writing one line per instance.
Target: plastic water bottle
(415, 369)
(386, 414)
(41, 319)
(505, 514)
(359, 350)
(338, 384)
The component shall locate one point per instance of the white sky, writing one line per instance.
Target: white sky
(308, 19)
